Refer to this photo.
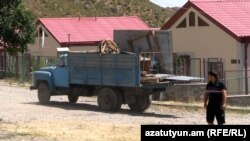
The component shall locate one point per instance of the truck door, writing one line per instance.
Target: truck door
(61, 77)
(61, 73)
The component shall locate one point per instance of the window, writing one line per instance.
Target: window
(191, 19)
(183, 24)
(201, 22)
(234, 61)
(39, 33)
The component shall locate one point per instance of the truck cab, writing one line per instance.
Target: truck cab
(53, 80)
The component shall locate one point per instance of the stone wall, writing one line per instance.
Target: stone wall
(183, 92)
(194, 92)
(239, 100)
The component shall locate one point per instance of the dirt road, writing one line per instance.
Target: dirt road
(22, 118)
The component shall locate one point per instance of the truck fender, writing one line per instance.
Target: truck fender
(42, 76)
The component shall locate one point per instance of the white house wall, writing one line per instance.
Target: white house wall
(207, 42)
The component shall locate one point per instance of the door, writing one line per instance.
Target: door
(61, 73)
(61, 77)
(217, 65)
(182, 65)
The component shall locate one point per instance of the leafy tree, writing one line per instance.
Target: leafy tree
(17, 26)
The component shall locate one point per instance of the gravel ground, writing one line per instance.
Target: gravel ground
(20, 110)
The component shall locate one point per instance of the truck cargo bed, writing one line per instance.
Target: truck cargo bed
(104, 69)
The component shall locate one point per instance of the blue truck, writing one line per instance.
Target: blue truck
(140, 69)
(115, 79)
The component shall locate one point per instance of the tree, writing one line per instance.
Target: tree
(17, 26)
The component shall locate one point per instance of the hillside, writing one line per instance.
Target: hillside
(152, 14)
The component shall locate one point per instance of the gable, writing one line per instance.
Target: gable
(192, 19)
(179, 14)
(40, 26)
(198, 32)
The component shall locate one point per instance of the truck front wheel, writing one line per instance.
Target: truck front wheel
(142, 102)
(109, 99)
(43, 93)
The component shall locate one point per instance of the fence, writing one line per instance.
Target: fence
(235, 81)
(21, 65)
(197, 67)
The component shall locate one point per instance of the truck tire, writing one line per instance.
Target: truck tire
(142, 103)
(72, 96)
(43, 93)
(149, 102)
(109, 99)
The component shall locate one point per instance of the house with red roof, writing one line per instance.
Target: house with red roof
(213, 35)
(81, 33)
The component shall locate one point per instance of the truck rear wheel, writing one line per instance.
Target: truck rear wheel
(109, 99)
(142, 102)
(43, 93)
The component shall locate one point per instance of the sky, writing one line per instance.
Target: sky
(169, 3)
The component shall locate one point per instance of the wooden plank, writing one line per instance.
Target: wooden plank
(150, 80)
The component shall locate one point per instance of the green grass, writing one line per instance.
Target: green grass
(193, 107)
(152, 14)
(239, 110)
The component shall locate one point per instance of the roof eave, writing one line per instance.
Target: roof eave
(83, 43)
(245, 39)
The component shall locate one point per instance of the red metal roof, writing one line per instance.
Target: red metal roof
(89, 30)
(231, 15)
